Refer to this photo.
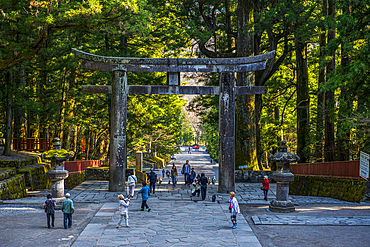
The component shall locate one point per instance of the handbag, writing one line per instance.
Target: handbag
(262, 187)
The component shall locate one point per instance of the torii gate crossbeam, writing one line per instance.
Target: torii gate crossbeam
(119, 66)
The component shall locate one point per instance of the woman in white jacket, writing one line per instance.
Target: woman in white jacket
(123, 210)
(131, 181)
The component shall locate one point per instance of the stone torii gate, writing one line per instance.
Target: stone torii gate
(119, 66)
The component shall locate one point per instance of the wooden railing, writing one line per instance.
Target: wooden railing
(338, 169)
(32, 144)
(80, 165)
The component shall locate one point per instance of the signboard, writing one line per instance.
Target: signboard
(241, 167)
(364, 165)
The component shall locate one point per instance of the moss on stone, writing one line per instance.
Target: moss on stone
(61, 153)
(342, 189)
(18, 164)
(35, 176)
(74, 179)
(13, 188)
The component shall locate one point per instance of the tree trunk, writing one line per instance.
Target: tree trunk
(345, 104)
(319, 142)
(9, 115)
(303, 101)
(329, 148)
(245, 144)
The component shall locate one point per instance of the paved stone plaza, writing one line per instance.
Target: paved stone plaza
(177, 219)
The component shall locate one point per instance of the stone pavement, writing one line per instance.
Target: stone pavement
(178, 219)
(174, 220)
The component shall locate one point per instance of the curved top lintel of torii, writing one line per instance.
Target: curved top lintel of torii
(238, 61)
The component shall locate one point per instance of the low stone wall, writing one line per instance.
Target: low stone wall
(251, 176)
(343, 189)
(97, 173)
(141, 176)
(6, 173)
(35, 176)
(74, 179)
(29, 160)
(161, 160)
(13, 188)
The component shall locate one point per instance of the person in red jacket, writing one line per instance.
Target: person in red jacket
(266, 186)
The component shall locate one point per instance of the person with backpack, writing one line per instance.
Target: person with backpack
(68, 210)
(49, 206)
(203, 184)
(152, 180)
(132, 180)
(186, 171)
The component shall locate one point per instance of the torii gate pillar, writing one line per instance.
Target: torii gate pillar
(226, 169)
(118, 157)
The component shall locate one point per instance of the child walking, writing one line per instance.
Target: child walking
(123, 210)
(234, 209)
(145, 193)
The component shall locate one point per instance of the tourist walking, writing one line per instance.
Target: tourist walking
(192, 175)
(196, 188)
(186, 171)
(49, 206)
(163, 173)
(168, 174)
(152, 177)
(234, 209)
(174, 175)
(68, 210)
(214, 180)
(265, 186)
(132, 180)
(123, 210)
(145, 193)
(203, 184)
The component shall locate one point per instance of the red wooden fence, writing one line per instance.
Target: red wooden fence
(80, 165)
(339, 169)
(32, 144)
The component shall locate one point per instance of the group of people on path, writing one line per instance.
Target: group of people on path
(67, 208)
(199, 186)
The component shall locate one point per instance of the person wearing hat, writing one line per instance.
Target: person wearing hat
(265, 185)
(123, 210)
(68, 210)
(49, 206)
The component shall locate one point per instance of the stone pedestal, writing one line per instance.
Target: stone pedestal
(57, 179)
(282, 204)
(139, 161)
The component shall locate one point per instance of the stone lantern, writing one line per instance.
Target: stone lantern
(57, 174)
(282, 176)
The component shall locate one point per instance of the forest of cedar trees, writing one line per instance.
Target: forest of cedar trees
(316, 88)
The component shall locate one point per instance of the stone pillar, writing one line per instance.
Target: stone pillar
(282, 204)
(139, 161)
(118, 157)
(57, 182)
(226, 169)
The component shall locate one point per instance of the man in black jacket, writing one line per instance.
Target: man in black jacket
(152, 179)
(203, 183)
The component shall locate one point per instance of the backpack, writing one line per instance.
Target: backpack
(49, 208)
(153, 176)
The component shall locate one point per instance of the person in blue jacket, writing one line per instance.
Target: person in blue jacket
(145, 193)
